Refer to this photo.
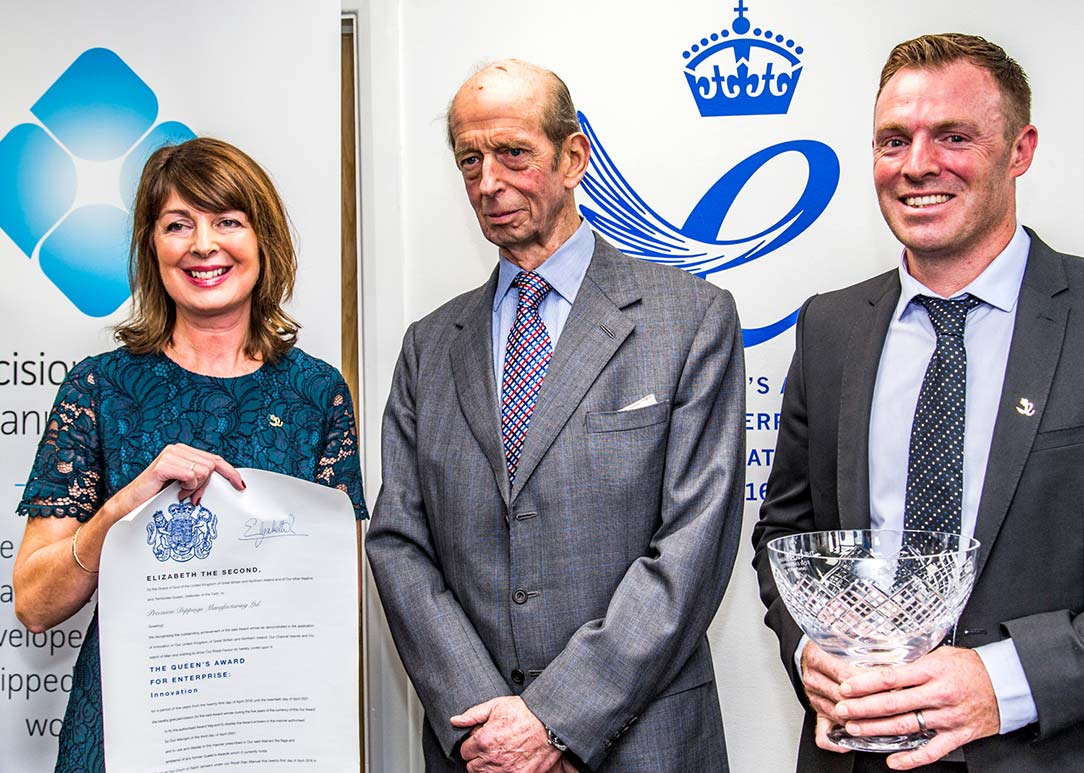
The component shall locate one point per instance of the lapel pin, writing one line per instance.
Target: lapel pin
(1026, 407)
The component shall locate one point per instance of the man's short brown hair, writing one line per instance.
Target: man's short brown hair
(933, 51)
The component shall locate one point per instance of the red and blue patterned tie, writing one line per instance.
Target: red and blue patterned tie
(526, 357)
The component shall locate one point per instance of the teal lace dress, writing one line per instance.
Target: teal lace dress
(114, 414)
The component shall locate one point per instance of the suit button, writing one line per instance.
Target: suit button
(519, 596)
(517, 676)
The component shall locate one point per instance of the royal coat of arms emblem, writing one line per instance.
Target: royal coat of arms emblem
(187, 532)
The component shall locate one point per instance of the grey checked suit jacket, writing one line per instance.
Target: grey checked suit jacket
(1031, 513)
(588, 588)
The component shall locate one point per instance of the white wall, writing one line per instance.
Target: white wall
(622, 61)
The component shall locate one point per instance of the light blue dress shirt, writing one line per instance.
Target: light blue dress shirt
(907, 350)
(908, 346)
(564, 270)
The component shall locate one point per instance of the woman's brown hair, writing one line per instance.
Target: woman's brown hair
(212, 176)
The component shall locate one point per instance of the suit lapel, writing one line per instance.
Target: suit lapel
(596, 327)
(1036, 345)
(863, 355)
(471, 356)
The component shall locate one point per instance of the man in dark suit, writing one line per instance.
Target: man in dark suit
(951, 135)
(563, 456)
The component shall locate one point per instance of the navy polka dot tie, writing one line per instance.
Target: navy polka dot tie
(526, 358)
(935, 464)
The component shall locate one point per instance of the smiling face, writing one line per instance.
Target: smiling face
(944, 165)
(519, 186)
(209, 262)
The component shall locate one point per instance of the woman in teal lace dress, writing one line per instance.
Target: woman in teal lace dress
(208, 380)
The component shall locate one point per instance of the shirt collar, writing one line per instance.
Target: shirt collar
(564, 269)
(998, 285)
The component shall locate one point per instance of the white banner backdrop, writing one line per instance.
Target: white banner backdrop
(83, 84)
(626, 64)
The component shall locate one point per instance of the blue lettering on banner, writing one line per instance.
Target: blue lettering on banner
(760, 383)
(98, 111)
(760, 457)
(755, 492)
(743, 70)
(762, 421)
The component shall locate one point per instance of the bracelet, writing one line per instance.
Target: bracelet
(553, 740)
(75, 538)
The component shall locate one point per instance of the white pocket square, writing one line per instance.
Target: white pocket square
(643, 402)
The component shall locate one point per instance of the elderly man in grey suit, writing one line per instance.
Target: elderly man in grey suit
(981, 312)
(563, 461)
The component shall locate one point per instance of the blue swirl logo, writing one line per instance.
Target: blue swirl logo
(638, 230)
(740, 70)
(67, 183)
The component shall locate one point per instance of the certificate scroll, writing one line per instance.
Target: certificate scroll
(229, 631)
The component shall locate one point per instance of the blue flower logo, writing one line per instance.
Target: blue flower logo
(97, 122)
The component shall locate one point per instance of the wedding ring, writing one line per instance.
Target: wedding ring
(921, 721)
(191, 466)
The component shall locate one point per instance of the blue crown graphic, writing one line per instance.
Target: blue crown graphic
(98, 111)
(742, 70)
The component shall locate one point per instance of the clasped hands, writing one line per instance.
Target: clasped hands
(507, 737)
(949, 686)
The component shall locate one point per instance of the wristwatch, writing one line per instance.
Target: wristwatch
(555, 742)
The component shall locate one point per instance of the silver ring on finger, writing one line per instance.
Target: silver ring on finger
(921, 722)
